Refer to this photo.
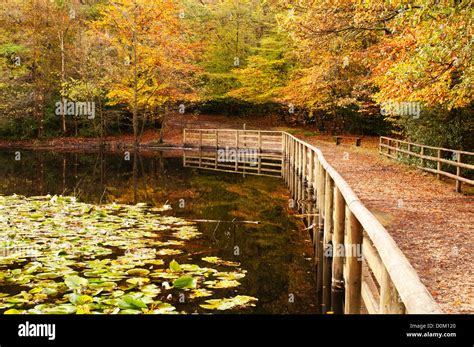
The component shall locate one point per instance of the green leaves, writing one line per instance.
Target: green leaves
(85, 264)
(226, 304)
(75, 282)
(128, 302)
(138, 272)
(185, 282)
(174, 266)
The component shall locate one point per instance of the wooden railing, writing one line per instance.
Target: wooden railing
(263, 141)
(248, 163)
(382, 281)
(441, 159)
(359, 266)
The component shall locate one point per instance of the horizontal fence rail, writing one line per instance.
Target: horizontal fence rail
(359, 266)
(263, 141)
(436, 160)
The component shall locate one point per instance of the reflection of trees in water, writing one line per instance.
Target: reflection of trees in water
(267, 251)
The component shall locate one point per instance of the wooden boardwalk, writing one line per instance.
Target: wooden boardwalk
(342, 228)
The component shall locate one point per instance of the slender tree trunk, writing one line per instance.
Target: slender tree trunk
(63, 80)
(36, 85)
(135, 80)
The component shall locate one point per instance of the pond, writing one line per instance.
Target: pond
(138, 233)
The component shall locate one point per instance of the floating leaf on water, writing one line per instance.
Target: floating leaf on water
(77, 299)
(195, 269)
(174, 266)
(138, 272)
(229, 275)
(13, 311)
(130, 311)
(128, 302)
(161, 308)
(222, 284)
(75, 282)
(48, 275)
(185, 282)
(218, 261)
(138, 280)
(168, 251)
(199, 293)
(230, 303)
(164, 274)
(151, 290)
(155, 262)
(54, 309)
(103, 285)
(187, 233)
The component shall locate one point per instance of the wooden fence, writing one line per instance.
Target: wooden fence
(359, 266)
(263, 141)
(440, 159)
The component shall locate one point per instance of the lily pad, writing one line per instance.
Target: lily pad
(138, 272)
(230, 303)
(185, 282)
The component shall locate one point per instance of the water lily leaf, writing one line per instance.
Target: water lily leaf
(229, 275)
(218, 261)
(155, 261)
(164, 274)
(77, 299)
(199, 293)
(130, 311)
(162, 308)
(138, 281)
(169, 251)
(48, 275)
(185, 282)
(151, 290)
(222, 284)
(105, 285)
(186, 233)
(13, 311)
(54, 309)
(138, 272)
(230, 303)
(33, 267)
(75, 282)
(174, 266)
(128, 302)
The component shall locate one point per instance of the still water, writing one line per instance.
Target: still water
(276, 253)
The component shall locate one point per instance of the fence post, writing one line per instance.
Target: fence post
(319, 239)
(389, 299)
(327, 243)
(184, 137)
(422, 152)
(338, 256)
(438, 165)
(458, 173)
(353, 280)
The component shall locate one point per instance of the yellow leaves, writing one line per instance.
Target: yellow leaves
(152, 57)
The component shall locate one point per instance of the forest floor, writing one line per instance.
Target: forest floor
(431, 223)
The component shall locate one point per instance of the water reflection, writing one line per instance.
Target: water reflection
(277, 253)
(245, 161)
